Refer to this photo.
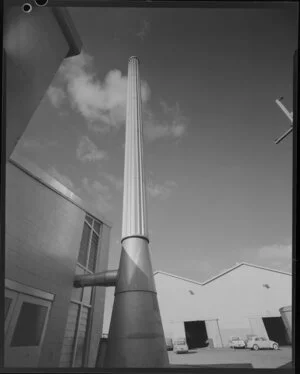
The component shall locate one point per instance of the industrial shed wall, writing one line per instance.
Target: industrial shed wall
(237, 300)
(43, 236)
(244, 296)
(179, 301)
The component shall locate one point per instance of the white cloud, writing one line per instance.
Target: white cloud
(154, 190)
(276, 251)
(103, 129)
(56, 95)
(115, 181)
(98, 102)
(36, 144)
(88, 151)
(173, 125)
(154, 131)
(276, 256)
(162, 191)
(63, 179)
(95, 187)
(103, 103)
(99, 195)
(145, 28)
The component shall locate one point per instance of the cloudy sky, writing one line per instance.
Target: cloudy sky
(219, 189)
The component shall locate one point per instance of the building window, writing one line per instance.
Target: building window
(27, 313)
(76, 332)
(74, 350)
(81, 336)
(30, 325)
(84, 245)
(69, 342)
(89, 243)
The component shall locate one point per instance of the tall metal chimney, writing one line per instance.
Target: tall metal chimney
(136, 337)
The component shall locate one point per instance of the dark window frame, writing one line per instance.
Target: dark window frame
(91, 223)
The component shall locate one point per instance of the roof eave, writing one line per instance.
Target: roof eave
(68, 29)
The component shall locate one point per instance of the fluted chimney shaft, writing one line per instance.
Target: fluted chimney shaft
(136, 336)
(134, 198)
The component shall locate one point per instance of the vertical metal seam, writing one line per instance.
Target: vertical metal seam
(140, 221)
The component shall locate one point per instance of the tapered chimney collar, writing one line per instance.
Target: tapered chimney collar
(134, 58)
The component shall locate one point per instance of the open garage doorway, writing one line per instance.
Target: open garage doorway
(196, 334)
(276, 330)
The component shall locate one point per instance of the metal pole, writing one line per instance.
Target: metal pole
(136, 336)
(290, 117)
(220, 332)
(295, 229)
(278, 140)
(283, 108)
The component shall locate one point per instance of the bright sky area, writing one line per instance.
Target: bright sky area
(219, 189)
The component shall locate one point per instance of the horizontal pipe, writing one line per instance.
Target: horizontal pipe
(105, 278)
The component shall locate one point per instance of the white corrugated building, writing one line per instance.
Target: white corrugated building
(244, 299)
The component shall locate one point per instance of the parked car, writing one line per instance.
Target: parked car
(169, 343)
(248, 337)
(180, 346)
(236, 342)
(259, 342)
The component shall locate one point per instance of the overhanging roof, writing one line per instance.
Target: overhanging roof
(68, 29)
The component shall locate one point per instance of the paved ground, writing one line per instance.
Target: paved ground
(228, 357)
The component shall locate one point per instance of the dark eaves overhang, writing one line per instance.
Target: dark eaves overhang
(67, 26)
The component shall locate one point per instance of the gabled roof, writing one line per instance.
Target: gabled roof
(221, 274)
(245, 264)
(176, 276)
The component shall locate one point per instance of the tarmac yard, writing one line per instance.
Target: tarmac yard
(227, 357)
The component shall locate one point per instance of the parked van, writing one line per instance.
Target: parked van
(180, 346)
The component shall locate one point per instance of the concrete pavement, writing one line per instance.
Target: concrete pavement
(227, 357)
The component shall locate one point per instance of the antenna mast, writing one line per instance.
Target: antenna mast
(290, 117)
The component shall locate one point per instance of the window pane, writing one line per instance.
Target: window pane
(87, 294)
(76, 294)
(6, 306)
(89, 220)
(30, 325)
(82, 257)
(97, 225)
(81, 342)
(69, 339)
(93, 252)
